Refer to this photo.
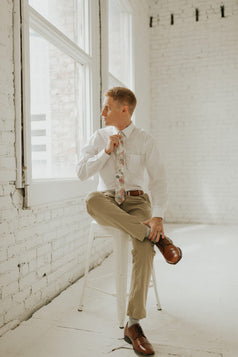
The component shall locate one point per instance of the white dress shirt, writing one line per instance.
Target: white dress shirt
(141, 153)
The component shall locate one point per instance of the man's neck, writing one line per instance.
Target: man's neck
(123, 126)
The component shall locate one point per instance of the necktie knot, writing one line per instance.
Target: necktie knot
(121, 135)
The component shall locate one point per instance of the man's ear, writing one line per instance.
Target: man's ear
(125, 109)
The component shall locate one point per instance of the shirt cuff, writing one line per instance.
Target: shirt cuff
(158, 211)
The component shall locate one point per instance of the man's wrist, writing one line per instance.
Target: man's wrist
(108, 153)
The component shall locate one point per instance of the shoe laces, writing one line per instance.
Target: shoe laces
(139, 330)
(166, 241)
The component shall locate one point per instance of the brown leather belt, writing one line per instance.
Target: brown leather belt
(134, 193)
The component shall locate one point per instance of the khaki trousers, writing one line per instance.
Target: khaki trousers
(129, 217)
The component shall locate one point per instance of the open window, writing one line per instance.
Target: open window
(59, 90)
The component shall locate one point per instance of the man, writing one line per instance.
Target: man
(120, 153)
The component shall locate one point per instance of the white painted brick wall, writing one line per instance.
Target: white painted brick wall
(194, 106)
(42, 250)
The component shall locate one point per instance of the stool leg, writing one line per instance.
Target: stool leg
(155, 289)
(89, 249)
(121, 241)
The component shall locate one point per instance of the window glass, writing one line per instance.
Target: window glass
(68, 16)
(119, 38)
(56, 109)
(113, 82)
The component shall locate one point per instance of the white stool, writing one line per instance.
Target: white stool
(120, 250)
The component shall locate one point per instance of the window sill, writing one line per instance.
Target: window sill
(43, 192)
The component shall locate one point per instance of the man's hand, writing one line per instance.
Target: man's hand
(156, 228)
(112, 143)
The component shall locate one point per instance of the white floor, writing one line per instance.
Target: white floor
(199, 297)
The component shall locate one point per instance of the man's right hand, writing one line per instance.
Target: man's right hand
(112, 143)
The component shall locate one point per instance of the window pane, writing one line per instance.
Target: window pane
(56, 110)
(113, 82)
(119, 38)
(68, 16)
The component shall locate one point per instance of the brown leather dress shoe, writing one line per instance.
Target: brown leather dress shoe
(171, 253)
(135, 336)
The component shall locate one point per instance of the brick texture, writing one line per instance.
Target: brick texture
(194, 96)
(42, 250)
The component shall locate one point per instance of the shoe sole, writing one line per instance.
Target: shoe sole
(128, 340)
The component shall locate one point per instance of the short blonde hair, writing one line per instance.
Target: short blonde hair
(123, 96)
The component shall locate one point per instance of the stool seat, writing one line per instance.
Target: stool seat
(120, 251)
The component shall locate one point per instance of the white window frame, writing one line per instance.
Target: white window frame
(41, 192)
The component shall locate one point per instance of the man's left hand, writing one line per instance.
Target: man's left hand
(156, 228)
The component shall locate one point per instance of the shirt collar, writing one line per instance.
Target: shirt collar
(127, 131)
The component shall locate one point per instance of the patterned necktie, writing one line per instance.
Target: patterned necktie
(120, 164)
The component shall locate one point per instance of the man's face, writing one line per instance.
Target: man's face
(112, 112)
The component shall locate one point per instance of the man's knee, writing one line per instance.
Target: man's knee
(93, 200)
